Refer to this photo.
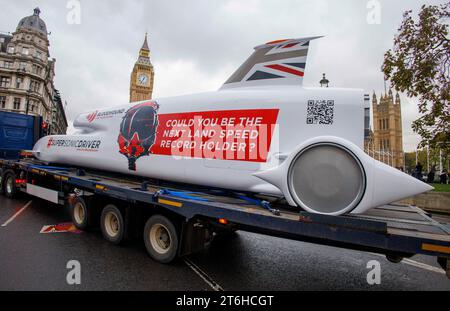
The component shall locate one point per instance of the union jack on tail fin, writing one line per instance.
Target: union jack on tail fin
(280, 62)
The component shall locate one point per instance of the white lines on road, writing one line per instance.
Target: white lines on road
(17, 214)
(422, 265)
(417, 264)
(205, 277)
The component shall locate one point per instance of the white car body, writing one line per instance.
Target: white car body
(264, 98)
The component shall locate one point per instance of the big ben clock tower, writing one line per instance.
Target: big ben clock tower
(141, 85)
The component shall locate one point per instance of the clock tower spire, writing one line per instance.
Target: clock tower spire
(141, 84)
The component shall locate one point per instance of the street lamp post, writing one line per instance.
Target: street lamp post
(324, 82)
(28, 101)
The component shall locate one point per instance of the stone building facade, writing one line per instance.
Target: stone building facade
(27, 73)
(385, 142)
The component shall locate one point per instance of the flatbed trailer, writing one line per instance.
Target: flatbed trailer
(176, 220)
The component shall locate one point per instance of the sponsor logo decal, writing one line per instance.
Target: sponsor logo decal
(235, 135)
(79, 144)
(50, 142)
(91, 117)
(96, 115)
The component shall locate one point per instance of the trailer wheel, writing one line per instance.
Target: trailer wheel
(394, 258)
(112, 224)
(161, 239)
(9, 185)
(80, 214)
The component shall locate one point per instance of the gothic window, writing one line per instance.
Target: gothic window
(25, 51)
(11, 50)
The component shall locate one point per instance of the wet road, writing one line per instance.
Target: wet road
(33, 261)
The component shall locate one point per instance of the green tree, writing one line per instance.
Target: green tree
(418, 64)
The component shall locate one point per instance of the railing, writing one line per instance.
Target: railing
(387, 156)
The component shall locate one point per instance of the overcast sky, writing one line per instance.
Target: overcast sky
(196, 45)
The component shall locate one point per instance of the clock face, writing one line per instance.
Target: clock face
(142, 79)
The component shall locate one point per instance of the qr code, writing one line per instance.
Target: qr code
(320, 112)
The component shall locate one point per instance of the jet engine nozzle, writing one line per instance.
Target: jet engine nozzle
(326, 178)
(332, 176)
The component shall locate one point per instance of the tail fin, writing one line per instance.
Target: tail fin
(278, 62)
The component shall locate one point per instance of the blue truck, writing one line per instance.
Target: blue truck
(18, 132)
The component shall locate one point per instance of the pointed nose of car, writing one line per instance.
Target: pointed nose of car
(391, 185)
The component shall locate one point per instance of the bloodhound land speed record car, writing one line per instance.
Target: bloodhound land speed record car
(262, 132)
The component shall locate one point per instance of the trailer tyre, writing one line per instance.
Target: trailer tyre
(80, 214)
(161, 239)
(394, 258)
(112, 224)
(9, 185)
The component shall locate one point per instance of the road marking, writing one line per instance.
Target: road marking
(17, 214)
(417, 264)
(422, 265)
(213, 284)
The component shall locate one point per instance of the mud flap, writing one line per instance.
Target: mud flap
(194, 238)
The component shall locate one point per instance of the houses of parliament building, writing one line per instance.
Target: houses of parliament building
(385, 142)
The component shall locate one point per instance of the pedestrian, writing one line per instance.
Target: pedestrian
(418, 171)
(431, 175)
(443, 177)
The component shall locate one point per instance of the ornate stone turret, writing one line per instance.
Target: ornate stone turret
(33, 22)
(387, 141)
(397, 99)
